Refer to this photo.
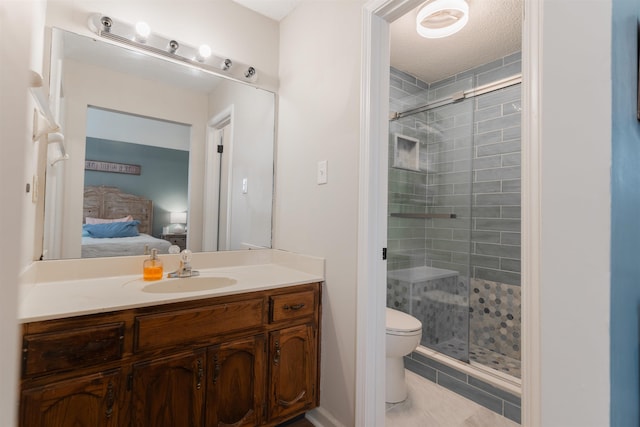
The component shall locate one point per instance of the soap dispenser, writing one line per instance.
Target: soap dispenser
(152, 267)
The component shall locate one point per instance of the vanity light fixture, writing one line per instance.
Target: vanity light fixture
(140, 37)
(250, 73)
(106, 23)
(442, 18)
(204, 52)
(173, 46)
(142, 31)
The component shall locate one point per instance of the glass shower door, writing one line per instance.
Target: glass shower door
(429, 228)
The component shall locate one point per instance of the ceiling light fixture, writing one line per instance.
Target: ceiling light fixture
(139, 36)
(442, 18)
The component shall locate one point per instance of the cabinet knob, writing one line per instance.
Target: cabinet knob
(216, 368)
(276, 358)
(293, 307)
(110, 399)
(200, 375)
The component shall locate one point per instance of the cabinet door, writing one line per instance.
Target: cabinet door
(88, 401)
(169, 392)
(235, 395)
(292, 354)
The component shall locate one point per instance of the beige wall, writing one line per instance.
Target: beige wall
(21, 50)
(319, 119)
(576, 204)
(252, 153)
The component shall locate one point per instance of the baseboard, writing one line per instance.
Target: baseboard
(320, 417)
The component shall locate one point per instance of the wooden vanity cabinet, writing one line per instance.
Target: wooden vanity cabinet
(169, 391)
(93, 400)
(292, 385)
(240, 360)
(237, 381)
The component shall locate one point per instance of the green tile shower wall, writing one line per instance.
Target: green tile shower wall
(459, 170)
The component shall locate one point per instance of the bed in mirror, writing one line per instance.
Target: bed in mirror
(180, 151)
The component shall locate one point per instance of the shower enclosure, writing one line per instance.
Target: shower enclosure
(454, 211)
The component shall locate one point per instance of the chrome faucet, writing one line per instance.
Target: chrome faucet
(184, 270)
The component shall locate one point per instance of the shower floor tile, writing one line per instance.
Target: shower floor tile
(429, 404)
(457, 348)
(494, 360)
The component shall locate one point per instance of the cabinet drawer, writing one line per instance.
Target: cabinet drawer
(180, 241)
(192, 325)
(292, 306)
(71, 349)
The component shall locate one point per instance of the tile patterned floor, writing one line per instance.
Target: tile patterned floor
(430, 405)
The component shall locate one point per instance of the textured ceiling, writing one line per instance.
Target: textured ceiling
(494, 30)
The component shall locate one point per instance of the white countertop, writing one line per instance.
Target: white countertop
(45, 300)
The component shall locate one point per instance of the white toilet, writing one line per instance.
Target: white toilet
(402, 337)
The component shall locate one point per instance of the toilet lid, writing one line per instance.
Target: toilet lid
(398, 321)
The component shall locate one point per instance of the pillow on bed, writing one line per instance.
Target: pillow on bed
(111, 229)
(90, 220)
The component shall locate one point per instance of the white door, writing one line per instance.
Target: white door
(217, 217)
(224, 214)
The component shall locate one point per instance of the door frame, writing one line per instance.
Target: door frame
(372, 210)
(211, 197)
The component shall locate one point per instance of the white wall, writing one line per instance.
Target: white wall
(319, 120)
(252, 158)
(20, 51)
(575, 157)
(114, 126)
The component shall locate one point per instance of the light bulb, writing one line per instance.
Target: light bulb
(142, 31)
(204, 52)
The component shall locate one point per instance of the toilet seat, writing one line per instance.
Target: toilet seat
(399, 323)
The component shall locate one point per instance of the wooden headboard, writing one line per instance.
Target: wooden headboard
(110, 203)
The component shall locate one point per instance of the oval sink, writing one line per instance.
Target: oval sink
(190, 284)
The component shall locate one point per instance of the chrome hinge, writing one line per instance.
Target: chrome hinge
(220, 148)
(384, 253)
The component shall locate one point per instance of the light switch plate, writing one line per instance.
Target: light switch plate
(322, 172)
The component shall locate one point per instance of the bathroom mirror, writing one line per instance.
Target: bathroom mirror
(144, 135)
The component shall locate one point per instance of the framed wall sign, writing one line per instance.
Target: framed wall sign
(96, 165)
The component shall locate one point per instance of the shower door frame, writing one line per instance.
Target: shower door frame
(372, 234)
